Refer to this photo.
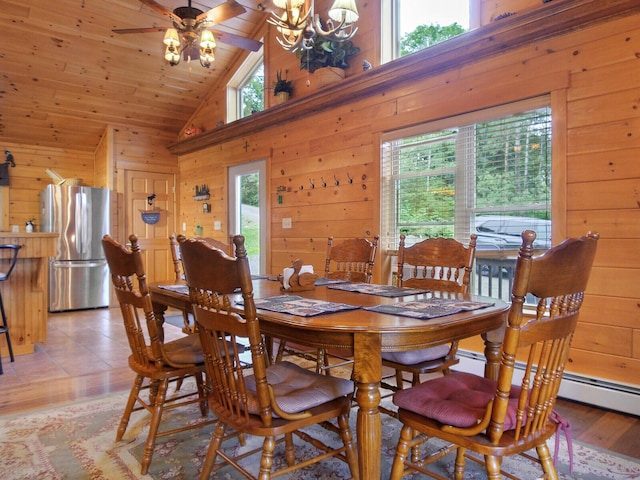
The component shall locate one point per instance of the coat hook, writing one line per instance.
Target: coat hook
(150, 199)
(349, 177)
(324, 184)
(311, 183)
(337, 181)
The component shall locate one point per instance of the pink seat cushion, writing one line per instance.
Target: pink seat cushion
(457, 399)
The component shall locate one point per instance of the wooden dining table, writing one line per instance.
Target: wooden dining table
(365, 334)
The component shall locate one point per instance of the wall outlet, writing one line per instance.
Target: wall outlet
(217, 225)
(286, 223)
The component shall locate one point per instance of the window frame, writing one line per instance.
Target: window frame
(464, 172)
(240, 78)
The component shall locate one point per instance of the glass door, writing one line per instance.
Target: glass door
(247, 210)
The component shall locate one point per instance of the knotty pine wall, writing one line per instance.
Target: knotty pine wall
(593, 76)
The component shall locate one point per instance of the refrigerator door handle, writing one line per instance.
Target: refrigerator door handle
(76, 264)
(82, 226)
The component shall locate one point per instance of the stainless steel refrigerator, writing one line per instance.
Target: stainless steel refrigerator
(78, 274)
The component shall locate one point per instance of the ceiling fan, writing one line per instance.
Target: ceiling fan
(192, 25)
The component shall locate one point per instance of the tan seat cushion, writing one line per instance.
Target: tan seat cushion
(417, 356)
(298, 389)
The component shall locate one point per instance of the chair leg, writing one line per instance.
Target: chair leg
(156, 416)
(459, 465)
(350, 449)
(5, 329)
(133, 396)
(547, 462)
(492, 464)
(210, 459)
(397, 469)
(204, 407)
(266, 461)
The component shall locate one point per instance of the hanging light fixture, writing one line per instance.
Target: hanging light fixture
(299, 26)
(207, 44)
(173, 51)
(172, 41)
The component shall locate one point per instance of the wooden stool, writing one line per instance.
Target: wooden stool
(4, 328)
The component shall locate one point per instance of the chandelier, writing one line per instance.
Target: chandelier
(299, 26)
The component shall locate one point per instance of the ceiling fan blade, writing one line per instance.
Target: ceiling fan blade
(139, 30)
(156, 7)
(237, 41)
(223, 12)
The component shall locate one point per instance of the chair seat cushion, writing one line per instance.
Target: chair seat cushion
(185, 350)
(298, 389)
(459, 399)
(417, 356)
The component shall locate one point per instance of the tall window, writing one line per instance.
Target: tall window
(245, 90)
(251, 96)
(412, 25)
(487, 173)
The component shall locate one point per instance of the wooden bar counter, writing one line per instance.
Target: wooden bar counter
(25, 293)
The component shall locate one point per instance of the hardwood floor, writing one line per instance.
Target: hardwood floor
(86, 355)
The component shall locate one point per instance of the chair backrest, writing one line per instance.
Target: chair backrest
(176, 258)
(540, 337)
(128, 276)
(213, 277)
(351, 259)
(9, 251)
(442, 264)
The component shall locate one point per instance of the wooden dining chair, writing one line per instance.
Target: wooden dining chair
(154, 362)
(176, 258)
(441, 264)
(506, 417)
(351, 260)
(272, 401)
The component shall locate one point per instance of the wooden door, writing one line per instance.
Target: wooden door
(153, 238)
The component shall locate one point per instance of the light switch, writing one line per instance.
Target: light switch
(217, 225)
(286, 223)
(184, 227)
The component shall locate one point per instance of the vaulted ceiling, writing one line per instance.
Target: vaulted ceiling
(65, 75)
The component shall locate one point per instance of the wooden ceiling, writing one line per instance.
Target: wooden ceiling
(65, 75)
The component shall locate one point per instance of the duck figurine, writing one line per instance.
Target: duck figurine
(300, 282)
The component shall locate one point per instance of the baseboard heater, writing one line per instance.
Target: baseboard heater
(601, 393)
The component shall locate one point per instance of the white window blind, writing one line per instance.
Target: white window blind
(488, 170)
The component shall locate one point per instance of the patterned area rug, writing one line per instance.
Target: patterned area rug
(77, 442)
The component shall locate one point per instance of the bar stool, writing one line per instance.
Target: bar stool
(4, 328)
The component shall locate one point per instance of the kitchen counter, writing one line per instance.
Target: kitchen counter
(25, 293)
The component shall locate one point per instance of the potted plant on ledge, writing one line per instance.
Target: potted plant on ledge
(282, 88)
(329, 58)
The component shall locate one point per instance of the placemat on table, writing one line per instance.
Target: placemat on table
(429, 308)
(181, 288)
(303, 307)
(329, 281)
(379, 290)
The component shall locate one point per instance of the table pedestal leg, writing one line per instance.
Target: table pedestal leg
(367, 373)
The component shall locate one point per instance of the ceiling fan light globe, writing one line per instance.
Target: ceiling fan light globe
(172, 55)
(207, 40)
(171, 38)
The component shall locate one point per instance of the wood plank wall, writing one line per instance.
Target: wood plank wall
(593, 75)
(29, 177)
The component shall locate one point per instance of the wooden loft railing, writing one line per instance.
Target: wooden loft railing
(554, 19)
